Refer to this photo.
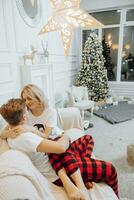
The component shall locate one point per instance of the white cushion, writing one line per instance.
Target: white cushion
(78, 93)
(85, 104)
(74, 133)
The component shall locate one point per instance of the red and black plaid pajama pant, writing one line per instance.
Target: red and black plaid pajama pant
(78, 156)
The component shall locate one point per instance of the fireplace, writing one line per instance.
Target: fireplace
(40, 75)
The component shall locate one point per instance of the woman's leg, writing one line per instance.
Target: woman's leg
(78, 180)
(77, 190)
(82, 146)
(91, 169)
(95, 170)
(98, 171)
(54, 159)
(74, 191)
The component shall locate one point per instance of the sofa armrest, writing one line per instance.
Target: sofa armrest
(74, 133)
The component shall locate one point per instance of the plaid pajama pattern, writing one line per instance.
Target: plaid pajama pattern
(78, 156)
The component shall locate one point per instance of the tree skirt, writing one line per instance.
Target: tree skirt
(116, 113)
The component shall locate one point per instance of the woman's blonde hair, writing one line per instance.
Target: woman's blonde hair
(35, 93)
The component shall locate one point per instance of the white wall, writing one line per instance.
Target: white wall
(105, 4)
(8, 61)
(16, 38)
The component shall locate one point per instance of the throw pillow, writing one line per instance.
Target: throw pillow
(78, 93)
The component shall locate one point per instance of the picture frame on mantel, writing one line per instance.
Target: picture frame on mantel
(40, 75)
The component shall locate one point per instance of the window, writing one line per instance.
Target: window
(127, 70)
(117, 38)
(130, 15)
(110, 49)
(108, 17)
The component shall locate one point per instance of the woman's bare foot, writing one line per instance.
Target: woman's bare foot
(75, 193)
(89, 185)
(85, 194)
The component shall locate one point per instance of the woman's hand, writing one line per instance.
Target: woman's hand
(5, 132)
(18, 130)
(8, 132)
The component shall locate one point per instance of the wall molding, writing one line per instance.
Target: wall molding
(7, 72)
(61, 75)
(4, 30)
(122, 89)
(41, 75)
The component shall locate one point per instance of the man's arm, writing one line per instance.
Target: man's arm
(49, 146)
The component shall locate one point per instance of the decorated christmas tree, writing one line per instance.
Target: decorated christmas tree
(108, 61)
(92, 72)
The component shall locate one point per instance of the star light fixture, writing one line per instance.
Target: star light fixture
(66, 17)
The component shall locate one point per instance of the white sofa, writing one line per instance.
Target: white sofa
(19, 179)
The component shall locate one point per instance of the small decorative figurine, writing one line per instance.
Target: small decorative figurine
(30, 56)
(45, 49)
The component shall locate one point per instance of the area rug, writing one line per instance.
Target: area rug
(116, 113)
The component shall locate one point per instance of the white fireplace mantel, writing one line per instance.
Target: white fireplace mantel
(40, 75)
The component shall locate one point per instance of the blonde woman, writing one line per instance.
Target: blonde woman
(39, 113)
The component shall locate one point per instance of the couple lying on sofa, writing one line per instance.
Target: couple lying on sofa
(72, 165)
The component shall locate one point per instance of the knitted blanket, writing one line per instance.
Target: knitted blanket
(116, 113)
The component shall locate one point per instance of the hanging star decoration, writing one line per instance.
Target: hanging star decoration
(68, 16)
